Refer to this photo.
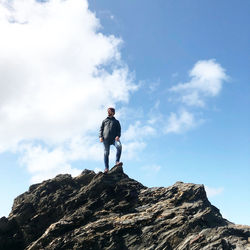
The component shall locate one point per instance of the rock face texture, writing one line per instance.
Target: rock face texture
(112, 211)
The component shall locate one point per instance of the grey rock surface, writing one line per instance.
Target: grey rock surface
(113, 211)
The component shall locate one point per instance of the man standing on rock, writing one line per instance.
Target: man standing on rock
(110, 133)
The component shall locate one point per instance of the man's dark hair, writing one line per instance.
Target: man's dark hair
(112, 109)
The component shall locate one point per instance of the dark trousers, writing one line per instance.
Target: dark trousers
(107, 145)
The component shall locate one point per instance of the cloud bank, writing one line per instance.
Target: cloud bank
(206, 81)
(181, 122)
(207, 77)
(58, 74)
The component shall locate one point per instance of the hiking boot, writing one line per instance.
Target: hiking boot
(106, 170)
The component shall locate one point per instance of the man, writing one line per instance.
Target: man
(110, 133)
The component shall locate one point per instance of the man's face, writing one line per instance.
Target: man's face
(110, 113)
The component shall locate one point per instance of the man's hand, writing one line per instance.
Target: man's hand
(117, 138)
(101, 139)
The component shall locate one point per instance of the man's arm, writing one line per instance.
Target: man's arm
(118, 131)
(101, 132)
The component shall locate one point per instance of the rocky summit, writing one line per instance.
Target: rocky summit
(113, 211)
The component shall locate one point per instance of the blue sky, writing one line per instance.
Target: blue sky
(176, 71)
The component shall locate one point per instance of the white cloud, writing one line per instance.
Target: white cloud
(130, 114)
(211, 192)
(43, 164)
(153, 86)
(132, 149)
(44, 161)
(207, 77)
(179, 123)
(134, 139)
(155, 119)
(58, 75)
(138, 131)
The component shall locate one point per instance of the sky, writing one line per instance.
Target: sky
(177, 73)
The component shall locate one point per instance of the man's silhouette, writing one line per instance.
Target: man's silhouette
(110, 133)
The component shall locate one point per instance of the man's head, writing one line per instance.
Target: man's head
(111, 112)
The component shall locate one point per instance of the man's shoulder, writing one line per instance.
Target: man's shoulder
(113, 119)
(106, 119)
(117, 122)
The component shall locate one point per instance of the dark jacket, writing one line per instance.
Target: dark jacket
(110, 128)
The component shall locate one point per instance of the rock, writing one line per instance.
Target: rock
(113, 211)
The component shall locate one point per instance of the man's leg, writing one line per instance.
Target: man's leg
(106, 154)
(118, 146)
